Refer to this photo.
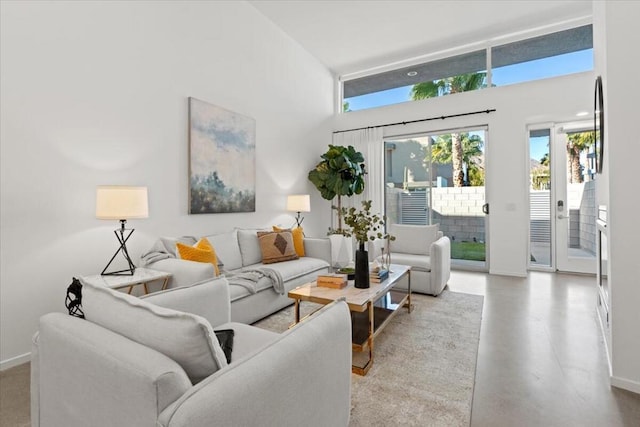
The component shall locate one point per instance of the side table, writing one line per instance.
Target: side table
(141, 276)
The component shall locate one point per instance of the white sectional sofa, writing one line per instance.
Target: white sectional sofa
(239, 251)
(155, 362)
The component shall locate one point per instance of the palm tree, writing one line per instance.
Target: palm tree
(471, 149)
(544, 161)
(576, 143)
(446, 86)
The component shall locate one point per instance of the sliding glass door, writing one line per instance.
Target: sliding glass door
(439, 178)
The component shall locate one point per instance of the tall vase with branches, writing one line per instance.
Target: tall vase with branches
(365, 227)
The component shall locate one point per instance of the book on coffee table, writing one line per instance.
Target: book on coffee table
(379, 276)
(335, 281)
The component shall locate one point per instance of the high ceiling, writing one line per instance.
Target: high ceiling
(349, 36)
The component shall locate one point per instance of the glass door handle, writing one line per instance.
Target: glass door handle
(560, 216)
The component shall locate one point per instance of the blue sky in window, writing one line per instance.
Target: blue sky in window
(569, 63)
(538, 147)
(560, 65)
(378, 99)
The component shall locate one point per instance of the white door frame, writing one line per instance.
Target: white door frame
(564, 261)
(431, 133)
(552, 197)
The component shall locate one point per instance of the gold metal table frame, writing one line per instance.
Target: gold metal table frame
(371, 308)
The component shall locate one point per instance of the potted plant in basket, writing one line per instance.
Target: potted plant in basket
(340, 173)
(364, 226)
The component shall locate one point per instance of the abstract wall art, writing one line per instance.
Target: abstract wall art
(222, 160)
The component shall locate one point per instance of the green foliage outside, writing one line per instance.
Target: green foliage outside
(540, 175)
(576, 143)
(446, 86)
(442, 153)
(476, 176)
(449, 85)
(471, 251)
(209, 194)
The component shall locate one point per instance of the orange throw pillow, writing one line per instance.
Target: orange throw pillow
(298, 238)
(200, 252)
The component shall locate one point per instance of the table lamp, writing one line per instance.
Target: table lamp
(121, 203)
(299, 203)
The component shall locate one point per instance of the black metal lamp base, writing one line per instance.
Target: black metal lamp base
(299, 220)
(122, 239)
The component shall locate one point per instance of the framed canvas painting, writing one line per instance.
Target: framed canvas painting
(222, 157)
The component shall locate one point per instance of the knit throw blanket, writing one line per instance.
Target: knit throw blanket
(248, 278)
(164, 248)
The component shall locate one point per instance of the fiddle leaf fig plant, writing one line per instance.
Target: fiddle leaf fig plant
(340, 173)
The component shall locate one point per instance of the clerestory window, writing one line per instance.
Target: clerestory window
(550, 55)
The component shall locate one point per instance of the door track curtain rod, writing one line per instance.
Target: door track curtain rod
(420, 120)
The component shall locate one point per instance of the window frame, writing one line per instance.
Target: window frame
(486, 44)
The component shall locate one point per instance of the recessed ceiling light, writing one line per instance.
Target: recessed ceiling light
(412, 73)
(582, 113)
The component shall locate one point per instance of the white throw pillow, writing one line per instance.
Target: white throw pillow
(227, 249)
(413, 239)
(186, 338)
(249, 246)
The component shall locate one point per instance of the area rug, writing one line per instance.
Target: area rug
(424, 366)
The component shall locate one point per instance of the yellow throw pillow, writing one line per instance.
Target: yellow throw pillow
(298, 238)
(276, 246)
(200, 252)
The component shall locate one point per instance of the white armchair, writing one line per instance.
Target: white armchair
(426, 250)
(140, 362)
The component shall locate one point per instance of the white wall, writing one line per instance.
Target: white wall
(96, 93)
(619, 66)
(556, 99)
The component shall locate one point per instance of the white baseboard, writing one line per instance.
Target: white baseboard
(603, 329)
(15, 361)
(626, 384)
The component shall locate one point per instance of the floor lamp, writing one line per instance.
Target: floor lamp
(121, 203)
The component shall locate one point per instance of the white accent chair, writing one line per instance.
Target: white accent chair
(132, 362)
(426, 250)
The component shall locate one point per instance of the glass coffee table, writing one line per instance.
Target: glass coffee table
(371, 308)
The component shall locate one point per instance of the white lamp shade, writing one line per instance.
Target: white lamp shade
(299, 203)
(121, 202)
